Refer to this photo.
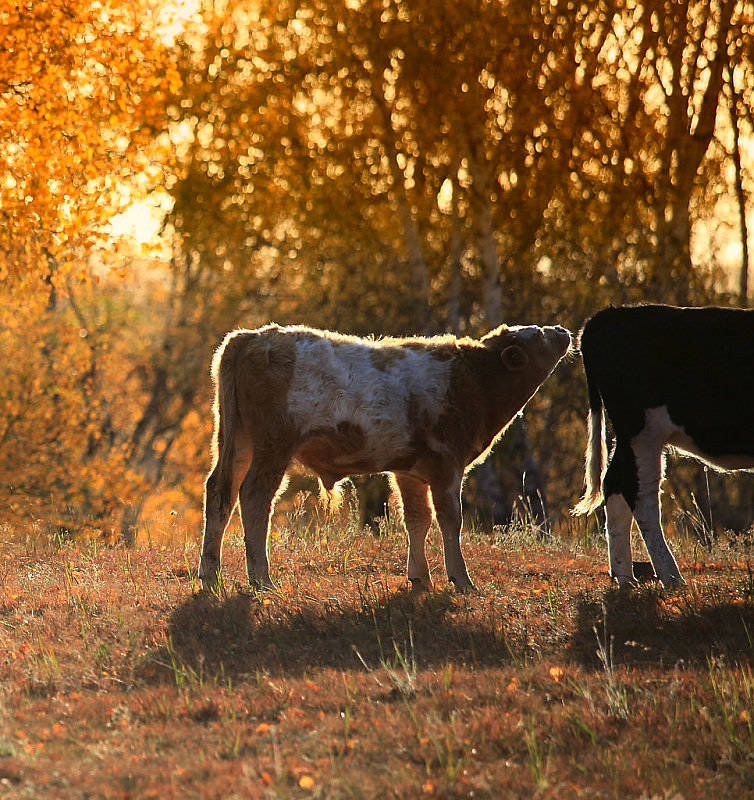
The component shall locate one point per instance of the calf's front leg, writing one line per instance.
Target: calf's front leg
(446, 497)
(417, 517)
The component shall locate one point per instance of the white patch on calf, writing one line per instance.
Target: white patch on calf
(336, 380)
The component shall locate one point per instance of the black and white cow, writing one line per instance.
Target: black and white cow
(667, 377)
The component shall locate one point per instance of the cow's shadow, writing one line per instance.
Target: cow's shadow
(641, 628)
(244, 634)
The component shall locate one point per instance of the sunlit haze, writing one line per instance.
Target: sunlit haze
(173, 16)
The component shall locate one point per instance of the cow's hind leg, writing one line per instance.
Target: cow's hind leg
(446, 497)
(220, 495)
(256, 498)
(417, 517)
(620, 485)
(648, 452)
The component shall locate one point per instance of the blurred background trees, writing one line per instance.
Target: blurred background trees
(362, 165)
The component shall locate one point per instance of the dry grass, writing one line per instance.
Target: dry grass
(118, 678)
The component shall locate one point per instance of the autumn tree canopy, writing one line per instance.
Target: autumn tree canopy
(366, 165)
(82, 91)
(446, 151)
(82, 85)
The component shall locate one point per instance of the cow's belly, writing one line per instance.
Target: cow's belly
(683, 443)
(724, 447)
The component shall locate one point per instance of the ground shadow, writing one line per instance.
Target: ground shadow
(241, 635)
(642, 630)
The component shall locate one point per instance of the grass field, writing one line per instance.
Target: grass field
(120, 679)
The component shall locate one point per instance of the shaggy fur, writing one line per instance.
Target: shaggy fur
(424, 410)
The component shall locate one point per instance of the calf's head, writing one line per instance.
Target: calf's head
(529, 353)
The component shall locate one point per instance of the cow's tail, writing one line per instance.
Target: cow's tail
(596, 448)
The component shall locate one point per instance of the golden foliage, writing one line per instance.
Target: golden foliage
(368, 166)
(81, 85)
(61, 459)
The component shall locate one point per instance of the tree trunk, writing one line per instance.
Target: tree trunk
(743, 283)
(689, 136)
(419, 273)
(484, 229)
(129, 520)
(492, 505)
(456, 250)
(534, 492)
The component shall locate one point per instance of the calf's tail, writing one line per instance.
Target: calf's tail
(596, 449)
(224, 407)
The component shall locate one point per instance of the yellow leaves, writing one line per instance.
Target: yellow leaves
(175, 81)
(53, 425)
(33, 748)
(557, 674)
(78, 76)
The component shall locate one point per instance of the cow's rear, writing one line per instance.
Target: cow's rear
(666, 377)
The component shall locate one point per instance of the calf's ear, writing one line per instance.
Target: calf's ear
(514, 358)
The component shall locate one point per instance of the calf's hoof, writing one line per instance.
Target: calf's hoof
(209, 576)
(674, 583)
(420, 584)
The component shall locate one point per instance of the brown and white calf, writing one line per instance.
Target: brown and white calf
(423, 409)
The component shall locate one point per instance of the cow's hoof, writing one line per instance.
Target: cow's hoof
(627, 582)
(675, 583)
(466, 587)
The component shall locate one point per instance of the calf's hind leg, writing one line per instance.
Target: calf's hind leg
(220, 495)
(256, 498)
